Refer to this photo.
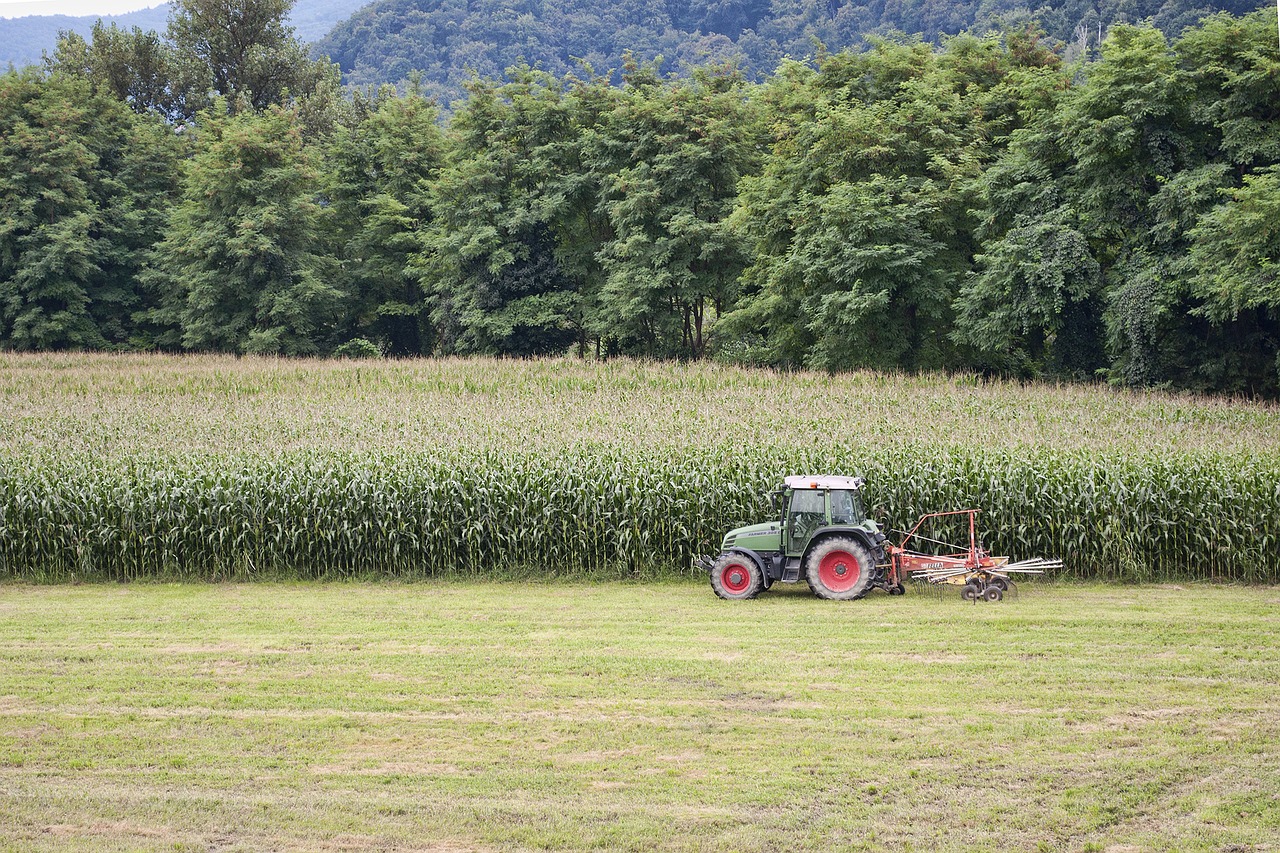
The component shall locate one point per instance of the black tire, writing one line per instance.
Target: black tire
(1000, 582)
(993, 593)
(839, 569)
(736, 577)
(970, 592)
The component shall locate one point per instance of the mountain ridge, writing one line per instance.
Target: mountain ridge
(447, 41)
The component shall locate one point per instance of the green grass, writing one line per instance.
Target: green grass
(457, 716)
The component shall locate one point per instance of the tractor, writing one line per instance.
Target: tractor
(822, 534)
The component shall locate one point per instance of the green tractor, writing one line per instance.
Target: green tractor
(821, 534)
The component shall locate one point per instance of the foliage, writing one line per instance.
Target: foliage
(357, 348)
(670, 158)
(241, 266)
(449, 40)
(379, 177)
(27, 40)
(1103, 217)
(983, 205)
(859, 217)
(85, 182)
(511, 259)
(243, 50)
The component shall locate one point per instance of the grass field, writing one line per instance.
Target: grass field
(216, 468)
(475, 716)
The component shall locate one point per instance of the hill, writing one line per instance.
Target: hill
(447, 40)
(23, 41)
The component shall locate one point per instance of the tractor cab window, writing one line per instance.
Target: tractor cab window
(846, 507)
(808, 512)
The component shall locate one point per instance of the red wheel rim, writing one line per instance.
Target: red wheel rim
(839, 571)
(735, 577)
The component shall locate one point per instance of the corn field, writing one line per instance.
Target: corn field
(209, 468)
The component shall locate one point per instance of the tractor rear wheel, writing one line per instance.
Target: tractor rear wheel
(839, 568)
(736, 577)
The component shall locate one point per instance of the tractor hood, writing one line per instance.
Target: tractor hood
(757, 537)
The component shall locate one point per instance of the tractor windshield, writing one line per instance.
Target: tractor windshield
(846, 507)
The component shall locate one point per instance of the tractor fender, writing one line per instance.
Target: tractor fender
(874, 542)
(755, 557)
(747, 552)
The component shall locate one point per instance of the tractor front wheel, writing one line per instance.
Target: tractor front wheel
(839, 569)
(736, 577)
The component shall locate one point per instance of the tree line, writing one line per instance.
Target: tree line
(979, 206)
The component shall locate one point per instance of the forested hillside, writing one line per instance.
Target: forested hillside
(24, 41)
(447, 40)
(980, 206)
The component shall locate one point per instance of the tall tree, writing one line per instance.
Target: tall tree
(670, 156)
(860, 218)
(379, 184)
(84, 181)
(243, 263)
(134, 66)
(244, 51)
(510, 258)
(49, 246)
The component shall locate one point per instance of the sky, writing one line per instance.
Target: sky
(10, 9)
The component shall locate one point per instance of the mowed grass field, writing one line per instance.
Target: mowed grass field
(451, 716)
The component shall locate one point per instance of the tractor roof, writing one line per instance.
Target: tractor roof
(823, 481)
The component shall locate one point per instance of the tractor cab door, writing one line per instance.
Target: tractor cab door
(807, 512)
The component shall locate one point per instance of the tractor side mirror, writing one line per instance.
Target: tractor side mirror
(775, 500)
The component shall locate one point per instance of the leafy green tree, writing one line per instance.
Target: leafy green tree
(140, 166)
(860, 219)
(1232, 68)
(243, 263)
(49, 247)
(1034, 302)
(244, 51)
(84, 182)
(670, 156)
(136, 67)
(1236, 258)
(510, 259)
(380, 176)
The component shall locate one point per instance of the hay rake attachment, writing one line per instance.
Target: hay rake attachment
(978, 574)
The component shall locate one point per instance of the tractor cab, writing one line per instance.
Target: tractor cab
(810, 504)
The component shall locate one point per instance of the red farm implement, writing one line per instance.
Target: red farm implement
(973, 569)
